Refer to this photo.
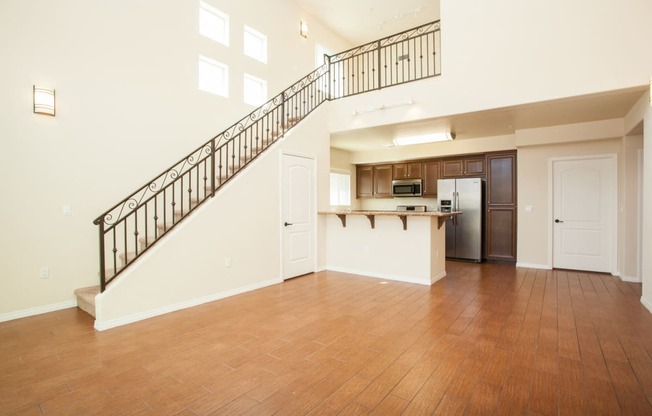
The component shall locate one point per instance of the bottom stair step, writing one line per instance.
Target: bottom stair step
(86, 299)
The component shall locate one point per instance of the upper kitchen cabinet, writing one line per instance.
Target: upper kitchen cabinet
(430, 177)
(501, 179)
(468, 166)
(383, 181)
(374, 181)
(364, 182)
(411, 170)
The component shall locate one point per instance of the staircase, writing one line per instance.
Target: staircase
(132, 226)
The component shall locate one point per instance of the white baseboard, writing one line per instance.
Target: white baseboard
(38, 310)
(630, 279)
(385, 276)
(112, 323)
(438, 277)
(647, 304)
(533, 266)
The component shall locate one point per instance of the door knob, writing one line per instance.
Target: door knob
(287, 223)
(558, 221)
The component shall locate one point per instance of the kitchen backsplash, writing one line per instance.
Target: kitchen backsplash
(389, 204)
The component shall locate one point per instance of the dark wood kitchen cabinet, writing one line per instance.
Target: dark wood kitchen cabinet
(466, 167)
(408, 170)
(374, 181)
(430, 177)
(364, 182)
(501, 206)
(383, 181)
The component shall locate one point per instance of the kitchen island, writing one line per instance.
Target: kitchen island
(393, 245)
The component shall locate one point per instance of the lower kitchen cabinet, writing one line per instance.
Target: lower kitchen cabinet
(501, 234)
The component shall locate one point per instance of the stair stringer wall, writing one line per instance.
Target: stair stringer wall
(242, 222)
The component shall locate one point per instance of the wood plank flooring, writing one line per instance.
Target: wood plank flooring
(486, 340)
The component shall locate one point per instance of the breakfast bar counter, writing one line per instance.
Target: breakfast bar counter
(375, 244)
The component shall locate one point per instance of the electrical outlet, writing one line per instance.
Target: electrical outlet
(67, 210)
(44, 273)
(227, 262)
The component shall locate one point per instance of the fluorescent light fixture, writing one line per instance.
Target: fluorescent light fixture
(303, 29)
(424, 138)
(43, 101)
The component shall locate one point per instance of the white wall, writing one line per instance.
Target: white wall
(243, 223)
(647, 212)
(508, 52)
(127, 108)
(629, 225)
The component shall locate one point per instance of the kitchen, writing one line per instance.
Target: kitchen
(375, 187)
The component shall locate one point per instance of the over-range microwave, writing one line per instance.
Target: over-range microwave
(406, 187)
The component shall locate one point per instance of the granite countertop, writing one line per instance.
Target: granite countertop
(394, 213)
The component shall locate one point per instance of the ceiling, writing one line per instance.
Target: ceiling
(362, 21)
(498, 122)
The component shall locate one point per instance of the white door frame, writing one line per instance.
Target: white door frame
(614, 208)
(314, 205)
(639, 237)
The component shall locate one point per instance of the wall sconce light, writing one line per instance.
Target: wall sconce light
(303, 29)
(44, 101)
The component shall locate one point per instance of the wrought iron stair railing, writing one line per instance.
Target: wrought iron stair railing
(129, 228)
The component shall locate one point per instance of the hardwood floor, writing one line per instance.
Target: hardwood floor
(488, 339)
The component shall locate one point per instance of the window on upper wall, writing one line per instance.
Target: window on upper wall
(213, 23)
(255, 44)
(340, 188)
(255, 90)
(213, 76)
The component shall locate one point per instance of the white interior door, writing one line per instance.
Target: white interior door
(298, 215)
(584, 222)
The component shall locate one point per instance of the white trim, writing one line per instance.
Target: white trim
(112, 323)
(386, 276)
(37, 310)
(613, 158)
(630, 279)
(533, 266)
(646, 303)
(639, 202)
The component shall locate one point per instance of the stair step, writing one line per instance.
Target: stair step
(125, 257)
(146, 242)
(86, 299)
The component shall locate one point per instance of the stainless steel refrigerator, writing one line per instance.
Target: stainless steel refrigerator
(463, 232)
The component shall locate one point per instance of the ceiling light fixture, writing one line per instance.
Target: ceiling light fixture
(424, 138)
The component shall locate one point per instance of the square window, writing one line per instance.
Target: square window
(255, 90)
(340, 188)
(255, 44)
(213, 23)
(213, 77)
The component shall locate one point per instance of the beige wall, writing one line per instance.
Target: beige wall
(128, 107)
(243, 223)
(629, 220)
(533, 240)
